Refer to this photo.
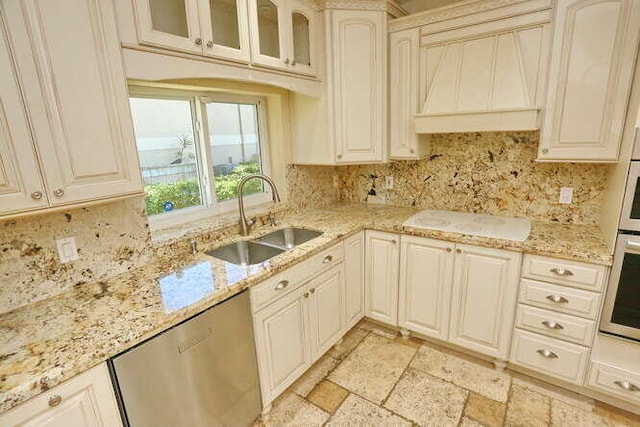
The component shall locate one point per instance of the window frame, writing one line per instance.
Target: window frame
(206, 180)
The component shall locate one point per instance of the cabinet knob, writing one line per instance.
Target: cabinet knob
(210, 44)
(306, 295)
(411, 150)
(395, 242)
(327, 259)
(547, 353)
(626, 385)
(339, 156)
(293, 62)
(198, 41)
(449, 250)
(286, 61)
(557, 298)
(550, 324)
(283, 284)
(58, 192)
(545, 150)
(458, 251)
(36, 195)
(561, 272)
(312, 290)
(55, 400)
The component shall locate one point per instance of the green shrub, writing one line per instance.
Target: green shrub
(227, 185)
(183, 194)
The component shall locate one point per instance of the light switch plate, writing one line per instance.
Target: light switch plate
(67, 249)
(566, 195)
(388, 182)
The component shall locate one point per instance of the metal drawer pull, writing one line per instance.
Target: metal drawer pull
(280, 286)
(55, 400)
(557, 298)
(327, 259)
(552, 325)
(627, 385)
(547, 353)
(561, 272)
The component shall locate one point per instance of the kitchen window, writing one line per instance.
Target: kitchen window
(194, 149)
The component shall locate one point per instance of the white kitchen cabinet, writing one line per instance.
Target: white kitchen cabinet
(282, 345)
(69, 66)
(21, 186)
(283, 35)
(381, 277)
(354, 279)
(326, 310)
(206, 27)
(484, 296)
(83, 401)
(404, 65)
(426, 275)
(594, 52)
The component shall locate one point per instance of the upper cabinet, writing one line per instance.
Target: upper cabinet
(64, 76)
(205, 27)
(283, 35)
(592, 62)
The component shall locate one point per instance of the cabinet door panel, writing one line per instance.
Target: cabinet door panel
(484, 299)
(19, 170)
(77, 98)
(359, 89)
(590, 78)
(269, 33)
(381, 283)
(326, 310)
(426, 275)
(303, 43)
(225, 28)
(281, 344)
(354, 279)
(171, 24)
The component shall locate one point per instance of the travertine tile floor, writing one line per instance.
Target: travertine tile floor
(375, 377)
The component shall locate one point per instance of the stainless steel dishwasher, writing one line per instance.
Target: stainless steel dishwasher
(202, 372)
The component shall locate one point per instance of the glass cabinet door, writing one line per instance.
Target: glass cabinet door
(225, 28)
(268, 33)
(301, 42)
(169, 23)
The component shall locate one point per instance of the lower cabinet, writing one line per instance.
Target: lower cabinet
(354, 279)
(458, 293)
(83, 401)
(381, 276)
(305, 316)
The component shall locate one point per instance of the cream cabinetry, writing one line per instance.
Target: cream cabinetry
(284, 35)
(67, 61)
(381, 276)
(297, 316)
(594, 51)
(215, 28)
(354, 279)
(83, 401)
(556, 322)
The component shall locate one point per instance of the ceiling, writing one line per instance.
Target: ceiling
(413, 6)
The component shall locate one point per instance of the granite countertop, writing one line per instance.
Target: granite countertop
(50, 341)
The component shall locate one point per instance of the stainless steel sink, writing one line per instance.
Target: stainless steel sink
(245, 252)
(287, 238)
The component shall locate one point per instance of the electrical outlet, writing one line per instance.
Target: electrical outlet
(335, 181)
(566, 195)
(388, 182)
(67, 249)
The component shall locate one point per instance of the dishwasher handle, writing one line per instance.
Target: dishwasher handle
(193, 341)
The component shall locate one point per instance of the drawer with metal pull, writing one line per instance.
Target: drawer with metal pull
(556, 325)
(560, 298)
(571, 273)
(549, 356)
(614, 381)
(281, 284)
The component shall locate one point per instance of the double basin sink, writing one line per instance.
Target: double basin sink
(251, 252)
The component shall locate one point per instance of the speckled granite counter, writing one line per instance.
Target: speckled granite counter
(48, 342)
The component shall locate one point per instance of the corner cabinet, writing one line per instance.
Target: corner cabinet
(590, 78)
(67, 132)
(85, 400)
(354, 279)
(381, 279)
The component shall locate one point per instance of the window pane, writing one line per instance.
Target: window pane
(166, 147)
(234, 141)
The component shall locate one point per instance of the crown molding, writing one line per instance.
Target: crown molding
(389, 6)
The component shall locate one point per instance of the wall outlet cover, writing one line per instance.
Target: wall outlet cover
(67, 249)
(388, 182)
(566, 195)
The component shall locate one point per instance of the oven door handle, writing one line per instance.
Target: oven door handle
(633, 245)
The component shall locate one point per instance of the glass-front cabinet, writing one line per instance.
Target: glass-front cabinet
(283, 35)
(207, 27)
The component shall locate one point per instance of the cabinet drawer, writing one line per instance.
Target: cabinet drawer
(614, 381)
(552, 324)
(549, 356)
(560, 298)
(282, 283)
(570, 273)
